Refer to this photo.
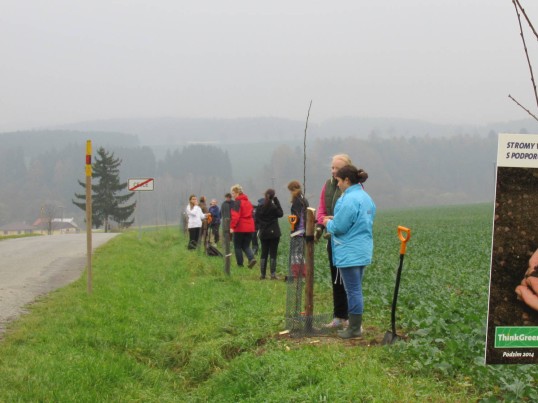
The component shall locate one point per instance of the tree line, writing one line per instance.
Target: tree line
(51, 179)
(402, 172)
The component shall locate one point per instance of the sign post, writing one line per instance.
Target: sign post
(309, 261)
(138, 185)
(141, 184)
(512, 328)
(89, 212)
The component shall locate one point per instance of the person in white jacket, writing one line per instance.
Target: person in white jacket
(195, 216)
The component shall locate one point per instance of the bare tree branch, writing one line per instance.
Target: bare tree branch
(304, 149)
(526, 17)
(522, 107)
(526, 51)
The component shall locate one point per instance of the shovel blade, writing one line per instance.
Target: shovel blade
(390, 338)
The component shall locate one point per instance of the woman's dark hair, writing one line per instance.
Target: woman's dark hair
(354, 174)
(269, 195)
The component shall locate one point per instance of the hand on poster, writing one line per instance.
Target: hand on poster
(527, 291)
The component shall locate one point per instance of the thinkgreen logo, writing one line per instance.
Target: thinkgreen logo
(516, 337)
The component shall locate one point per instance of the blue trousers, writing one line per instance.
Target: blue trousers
(352, 277)
(242, 244)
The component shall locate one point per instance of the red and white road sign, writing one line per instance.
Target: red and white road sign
(136, 185)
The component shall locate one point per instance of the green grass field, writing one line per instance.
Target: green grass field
(165, 324)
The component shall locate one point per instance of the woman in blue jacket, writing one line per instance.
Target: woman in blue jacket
(351, 230)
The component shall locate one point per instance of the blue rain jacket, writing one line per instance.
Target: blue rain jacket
(351, 228)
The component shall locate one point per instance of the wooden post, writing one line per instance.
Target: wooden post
(137, 215)
(89, 212)
(309, 260)
(227, 253)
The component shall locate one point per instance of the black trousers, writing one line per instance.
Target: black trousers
(255, 240)
(339, 292)
(269, 248)
(214, 228)
(194, 237)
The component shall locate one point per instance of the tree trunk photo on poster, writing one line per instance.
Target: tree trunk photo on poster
(512, 331)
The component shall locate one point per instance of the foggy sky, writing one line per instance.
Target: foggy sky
(443, 61)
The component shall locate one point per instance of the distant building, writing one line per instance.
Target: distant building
(17, 228)
(65, 225)
(58, 225)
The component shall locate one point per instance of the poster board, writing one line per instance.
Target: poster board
(512, 327)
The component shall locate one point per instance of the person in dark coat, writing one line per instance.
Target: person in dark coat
(225, 218)
(255, 245)
(215, 220)
(225, 213)
(299, 204)
(267, 215)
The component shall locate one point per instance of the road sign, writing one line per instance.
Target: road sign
(136, 185)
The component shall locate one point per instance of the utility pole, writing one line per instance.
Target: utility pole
(89, 213)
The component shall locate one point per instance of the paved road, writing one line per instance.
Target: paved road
(30, 267)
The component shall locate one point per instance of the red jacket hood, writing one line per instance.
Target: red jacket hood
(242, 220)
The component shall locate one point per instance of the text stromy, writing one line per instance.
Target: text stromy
(520, 145)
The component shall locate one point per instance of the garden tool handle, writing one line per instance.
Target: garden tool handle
(403, 239)
(293, 220)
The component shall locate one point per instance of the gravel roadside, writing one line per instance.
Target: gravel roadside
(33, 266)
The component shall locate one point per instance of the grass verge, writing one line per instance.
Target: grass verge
(165, 324)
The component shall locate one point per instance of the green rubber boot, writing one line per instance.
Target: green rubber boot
(353, 331)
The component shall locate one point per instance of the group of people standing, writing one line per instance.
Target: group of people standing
(266, 223)
(246, 224)
(199, 218)
(345, 216)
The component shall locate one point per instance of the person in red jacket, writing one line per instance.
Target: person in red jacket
(242, 226)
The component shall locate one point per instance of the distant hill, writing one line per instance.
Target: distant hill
(177, 131)
(35, 142)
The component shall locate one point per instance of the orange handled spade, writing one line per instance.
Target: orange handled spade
(404, 234)
(293, 220)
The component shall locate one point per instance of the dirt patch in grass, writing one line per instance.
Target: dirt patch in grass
(371, 337)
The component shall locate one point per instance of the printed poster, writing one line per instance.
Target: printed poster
(512, 330)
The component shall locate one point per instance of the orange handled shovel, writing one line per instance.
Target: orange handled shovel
(293, 220)
(404, 234)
